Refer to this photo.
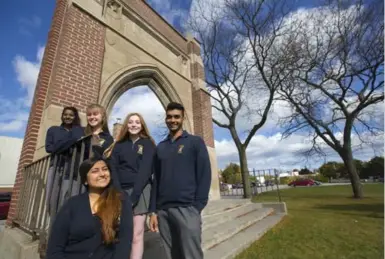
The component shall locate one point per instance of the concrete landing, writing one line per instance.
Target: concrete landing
(16, 244)
(229, 227)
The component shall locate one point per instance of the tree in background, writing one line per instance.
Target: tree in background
(304, 171)
(331, 170)
(374, 168)
(337, 80)
(232, 174)
(242, 69)
(371, 168)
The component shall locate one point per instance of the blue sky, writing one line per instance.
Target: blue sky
(25, 25)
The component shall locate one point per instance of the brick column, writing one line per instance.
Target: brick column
(202, 115)
(69, 76)
(37, 107)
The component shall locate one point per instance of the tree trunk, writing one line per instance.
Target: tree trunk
(352, 171)
(245, 173)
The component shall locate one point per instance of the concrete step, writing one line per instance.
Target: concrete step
(219, 206)
(228, 215)
(230, 248)
(215, 235)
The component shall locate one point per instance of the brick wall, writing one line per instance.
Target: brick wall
(37, 107)
(203, 125)
(69, 76)
(78, 70)
(202, 115)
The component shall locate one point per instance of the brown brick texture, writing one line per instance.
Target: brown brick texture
(202, 115)
(79, 63)
(203, 125)
(69, 76)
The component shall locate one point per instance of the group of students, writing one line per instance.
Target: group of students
(127, 180)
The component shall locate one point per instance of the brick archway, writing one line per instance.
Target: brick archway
(141, 74)
(89, 42)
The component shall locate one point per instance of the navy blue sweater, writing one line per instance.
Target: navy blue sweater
(106, 141)
(59, 139)
(76, 233)
(182, 173)
(133, 164)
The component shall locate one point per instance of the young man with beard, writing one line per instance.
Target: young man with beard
(181, 187)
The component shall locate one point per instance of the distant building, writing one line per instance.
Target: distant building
(295, 172)
(10, 149)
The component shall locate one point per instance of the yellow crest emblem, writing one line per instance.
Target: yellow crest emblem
(101, 141)
(140, 149)
(180, 149)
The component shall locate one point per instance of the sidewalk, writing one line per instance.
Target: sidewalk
(152, 246)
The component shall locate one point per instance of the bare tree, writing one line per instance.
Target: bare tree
(238, 40)
(337, 62)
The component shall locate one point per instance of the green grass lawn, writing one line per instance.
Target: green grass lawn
(325, 222)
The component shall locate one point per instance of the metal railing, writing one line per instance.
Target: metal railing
(36, 207)
(260, 181)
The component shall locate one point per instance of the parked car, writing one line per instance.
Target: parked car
(237, 186)
(256, 184)
(302, 182)
(5, 201)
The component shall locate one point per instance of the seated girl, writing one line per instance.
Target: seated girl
(97, 224)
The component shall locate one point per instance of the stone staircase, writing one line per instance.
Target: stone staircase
(229, 227)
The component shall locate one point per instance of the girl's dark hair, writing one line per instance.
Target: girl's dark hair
(77, 120)
(109, 203)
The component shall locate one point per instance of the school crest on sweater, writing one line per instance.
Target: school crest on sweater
(180, 149)
(140, 149)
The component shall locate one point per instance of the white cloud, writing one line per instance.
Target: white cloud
(168, 10)
(14, 113)
(27, 72)
(268, 152)
(13, 125)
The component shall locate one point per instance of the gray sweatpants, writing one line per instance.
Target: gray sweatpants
(181, 230)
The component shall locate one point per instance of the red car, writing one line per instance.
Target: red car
(302, 182)
(5, 201)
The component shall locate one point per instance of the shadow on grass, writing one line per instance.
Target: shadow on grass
(370, 208)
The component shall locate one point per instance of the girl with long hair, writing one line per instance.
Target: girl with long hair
(97, 128)
(131, 159)
(95, 224)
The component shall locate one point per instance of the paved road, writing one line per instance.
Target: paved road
(153, 246)
(238, 193)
